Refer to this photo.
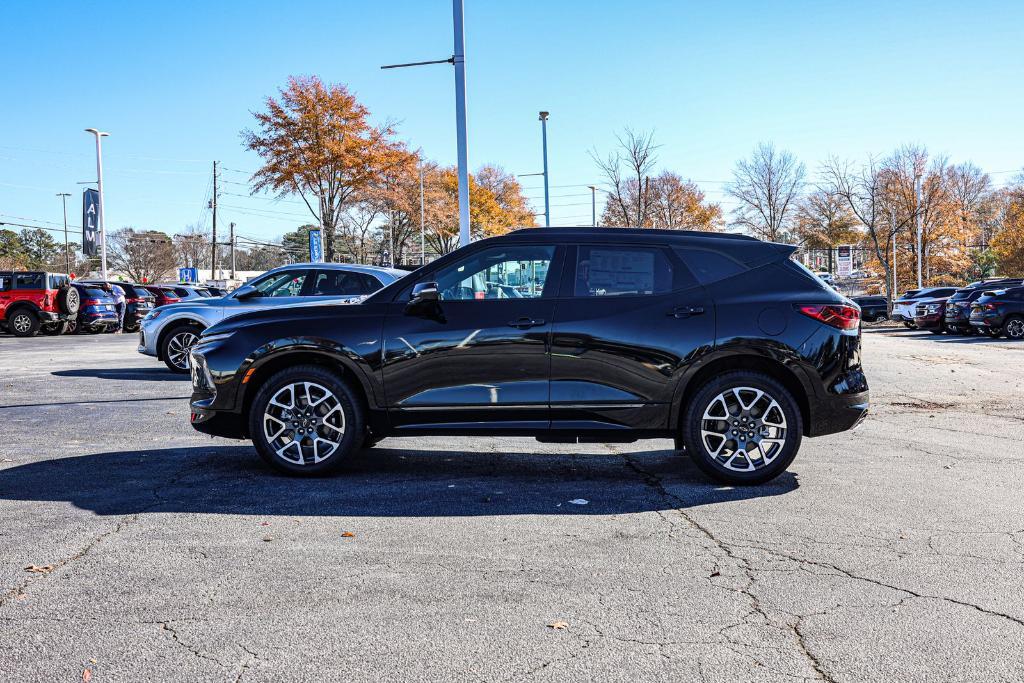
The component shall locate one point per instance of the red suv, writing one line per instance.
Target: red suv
(33, 301)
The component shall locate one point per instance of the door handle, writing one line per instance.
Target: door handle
(525, 323)
(685, 311)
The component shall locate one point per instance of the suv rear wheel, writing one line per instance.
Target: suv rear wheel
(306, 420)
(1014, 328)
(23, 323)
(742, 428)
(176, 346)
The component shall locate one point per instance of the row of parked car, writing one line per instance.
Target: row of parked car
(33, 302)
(994, 307)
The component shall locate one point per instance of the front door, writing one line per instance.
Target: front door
(478, 357)
(630, 320)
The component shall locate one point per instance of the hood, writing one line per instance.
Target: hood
(191, 303)
(335, 308)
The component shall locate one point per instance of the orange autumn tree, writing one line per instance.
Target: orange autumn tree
(317, 142)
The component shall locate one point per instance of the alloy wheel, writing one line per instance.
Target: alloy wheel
(304, 423)
(21, 323)
(178, 348)
(1015, 329)
(743, 429)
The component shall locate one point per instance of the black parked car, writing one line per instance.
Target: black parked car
(138, 302)
(720, 341)
(1000, 312)
(872, 308)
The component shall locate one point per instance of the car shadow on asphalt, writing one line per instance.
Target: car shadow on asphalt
(147, 374)
(382, 482)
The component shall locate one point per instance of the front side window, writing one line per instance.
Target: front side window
(288, 283)
(513, 272)
(622, 271)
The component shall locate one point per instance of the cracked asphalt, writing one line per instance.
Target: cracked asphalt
(891, 553)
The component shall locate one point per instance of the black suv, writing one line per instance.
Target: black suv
(571, 335)
(1000, 312)
(872, 308)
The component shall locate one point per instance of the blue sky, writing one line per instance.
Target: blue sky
(175, 83)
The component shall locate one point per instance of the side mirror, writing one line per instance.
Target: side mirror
(244, 292)
(424, 291)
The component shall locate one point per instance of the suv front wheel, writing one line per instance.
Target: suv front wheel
(176, 346)
(306, 420)
(742, 428)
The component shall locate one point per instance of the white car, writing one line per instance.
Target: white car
(168, 332)
(903, 309)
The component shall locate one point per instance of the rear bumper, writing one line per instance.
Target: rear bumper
(838, 413)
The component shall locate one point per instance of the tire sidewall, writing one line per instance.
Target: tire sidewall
(694, 410)
(352, 440)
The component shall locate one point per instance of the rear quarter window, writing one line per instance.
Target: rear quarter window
(708, 266)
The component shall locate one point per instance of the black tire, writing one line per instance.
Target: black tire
(72, 326)
(54, 329)
(1013, 328)
(994, 332)
(302, 460)
(23, 322)
(909, 325)
(679, 447)
(178, 338)
(69, 300)
(131, 329)
(704, 400)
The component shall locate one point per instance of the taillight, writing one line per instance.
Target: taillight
(91, 302)
(989, 307)
(839, 316)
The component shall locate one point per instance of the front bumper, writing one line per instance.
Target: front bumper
(218, 423)
(929, 322)
(148, 334)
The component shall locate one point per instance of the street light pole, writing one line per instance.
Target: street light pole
(459, 59)
(917, 221)
(423, 214)
(544, 138)
(593, 205)
(99, 186)
(67, 249)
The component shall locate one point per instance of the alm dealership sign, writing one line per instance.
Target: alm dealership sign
(90, 221)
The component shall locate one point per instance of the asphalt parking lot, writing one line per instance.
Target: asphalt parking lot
(136, 549)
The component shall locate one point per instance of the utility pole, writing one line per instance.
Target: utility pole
(459, 59)
(67, 250)
(102, 209)
(544, 139)
(232, 225)
(213, 241)
(917, 221)
(423, 220)
(593, 205)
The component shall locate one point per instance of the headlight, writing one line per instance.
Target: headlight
(214, 337)
(152, 315)
(932, 308)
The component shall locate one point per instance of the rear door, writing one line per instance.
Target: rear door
(629, 320)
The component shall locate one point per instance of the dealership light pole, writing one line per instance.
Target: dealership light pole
(67, 249)
(99, 187)
(917, 222)
(593, 205)
(544, 137)
(423, 222)
(458, 60)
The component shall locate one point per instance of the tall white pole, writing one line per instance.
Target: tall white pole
(459, 59)
(99, 188)
(423, 222)
(593, 205)
(917, 220)
(544, 139)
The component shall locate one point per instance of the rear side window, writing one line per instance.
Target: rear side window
(343, 283)
(5, 282)
(709, 266)
(622, 271)
(180, 291)
(28, 281)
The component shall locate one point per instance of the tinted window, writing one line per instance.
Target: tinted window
(5, 281)
(58, 281)
(28, 281)
(344, 283)
(961, 294)
(93, 292)
(509, 272)
(710, 266)
(939, 293)
(622, 271)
